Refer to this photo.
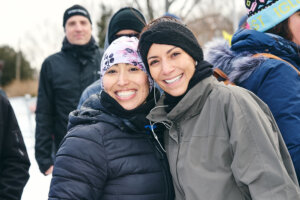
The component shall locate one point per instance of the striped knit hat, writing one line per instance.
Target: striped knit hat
(265, 14)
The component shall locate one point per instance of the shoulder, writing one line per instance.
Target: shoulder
(235, 97)
(274, 72)
(54, 58)
(91, 132)
(276, 65)
(5, 106)
(93, 88)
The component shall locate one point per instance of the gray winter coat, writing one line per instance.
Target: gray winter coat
(223, 144)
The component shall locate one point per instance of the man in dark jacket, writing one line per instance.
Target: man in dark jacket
(63, 77)
(14, 161)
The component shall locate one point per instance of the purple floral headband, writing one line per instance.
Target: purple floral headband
(123, 50)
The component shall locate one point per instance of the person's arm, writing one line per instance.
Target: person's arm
(80, 169)
(44, 119)
(14, 159)
(261, 163)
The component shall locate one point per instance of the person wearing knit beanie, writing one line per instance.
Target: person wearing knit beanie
(265, 14)
(63, 77)
(218, 137)
(170, 31)
(126, 18)
(76, 10)
(265, 60)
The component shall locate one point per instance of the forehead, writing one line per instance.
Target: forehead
(126, 32)
(120, 65)
(77, 18)
(161, 49)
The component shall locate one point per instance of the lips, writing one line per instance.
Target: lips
(173, 80)
(124, 95)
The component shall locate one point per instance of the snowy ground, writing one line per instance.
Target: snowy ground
(37, 187)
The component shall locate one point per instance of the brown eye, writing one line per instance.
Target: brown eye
(133, 69)
(111, 71)
(175, 54)
(153, 62)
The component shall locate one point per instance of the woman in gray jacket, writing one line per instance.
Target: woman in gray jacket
(223, 142)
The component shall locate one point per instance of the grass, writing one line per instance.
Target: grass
(20, 88)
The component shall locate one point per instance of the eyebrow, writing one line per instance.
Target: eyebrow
(166, 52)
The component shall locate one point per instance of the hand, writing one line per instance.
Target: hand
(49, 171)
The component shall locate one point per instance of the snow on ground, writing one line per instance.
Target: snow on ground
(37, 187)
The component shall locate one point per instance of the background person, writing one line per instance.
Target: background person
(276, 82)
(223, 142)
(63, 77)
(108, 153)
(14, 161)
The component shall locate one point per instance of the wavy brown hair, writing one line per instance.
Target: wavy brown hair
(282, 29)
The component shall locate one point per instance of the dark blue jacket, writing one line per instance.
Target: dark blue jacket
(107, 157)
(274, 81)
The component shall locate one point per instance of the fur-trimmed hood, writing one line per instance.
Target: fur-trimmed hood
(237, 67)
(238, 62)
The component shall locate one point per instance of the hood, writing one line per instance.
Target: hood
(92, 112)
(237, 67)
(238, 62)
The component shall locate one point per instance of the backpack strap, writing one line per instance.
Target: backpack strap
(268, 55)
(221, 76)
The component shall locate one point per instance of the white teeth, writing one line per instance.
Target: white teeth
(174, 79)
(125, 94)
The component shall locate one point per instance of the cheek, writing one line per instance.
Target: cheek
(144, 84)
(107, 83)
(154, 71)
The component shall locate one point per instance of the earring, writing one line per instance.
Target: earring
(196, 63)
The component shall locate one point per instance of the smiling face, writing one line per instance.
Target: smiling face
(78, 30)
(127, 84)
(294, 26)
(171, 67)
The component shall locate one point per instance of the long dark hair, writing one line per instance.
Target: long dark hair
(282, 29)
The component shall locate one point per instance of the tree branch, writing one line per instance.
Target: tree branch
(150, 10)
(191, 8)
(139, 7)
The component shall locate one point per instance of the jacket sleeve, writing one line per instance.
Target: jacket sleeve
(14, 161)
(44, 119)
(80, 169)
(280, 89)
(261, 163)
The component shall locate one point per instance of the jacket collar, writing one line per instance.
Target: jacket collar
(190, 105)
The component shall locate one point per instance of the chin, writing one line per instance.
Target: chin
(129, 107)
(176, 93)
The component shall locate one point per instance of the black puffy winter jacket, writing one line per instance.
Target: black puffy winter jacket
(108, 157)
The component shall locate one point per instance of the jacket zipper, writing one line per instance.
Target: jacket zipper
(163, 159)
(179, 143)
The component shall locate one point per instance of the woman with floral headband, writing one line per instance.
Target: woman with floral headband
(108, 152)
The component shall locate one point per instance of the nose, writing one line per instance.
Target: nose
(78, 27)
(123, 79)
(167, 67)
